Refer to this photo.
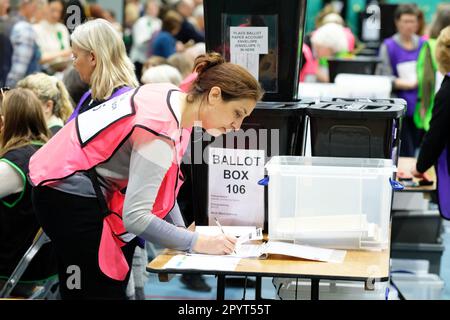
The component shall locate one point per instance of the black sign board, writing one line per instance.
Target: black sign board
(265, 36)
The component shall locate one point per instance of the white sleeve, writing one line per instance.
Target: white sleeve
(11, 180)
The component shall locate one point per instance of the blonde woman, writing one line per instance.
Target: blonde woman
(53, 96)
(100, 58)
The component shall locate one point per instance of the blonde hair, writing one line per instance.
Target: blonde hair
(113, 68)
(49, 88)
(443, 50)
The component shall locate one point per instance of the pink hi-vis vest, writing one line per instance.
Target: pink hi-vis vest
(94, 137)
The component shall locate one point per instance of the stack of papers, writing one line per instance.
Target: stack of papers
(332, 227)
(289, 249)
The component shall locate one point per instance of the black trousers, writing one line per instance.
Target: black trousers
(74, 225)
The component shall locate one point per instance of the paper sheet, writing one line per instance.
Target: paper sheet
(243, 233)
(282, 248)
(407, 71)
(305, 252)
(202, 262)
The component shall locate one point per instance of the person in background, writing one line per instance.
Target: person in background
(53, 39)
(187, 31)
(4, 7)
(53, 96)
(182, 62)
(428, 76)
(421, 24)
(6, 49)
(399, 55)
(328, 41)
(153, 62)
(198, 19)
(110, 16)
(161, 74)
(165, 44)
(309, 65)
(23, 132)
(132, 14)
(436, 143)
(100, 59)
(143, 31)
(26, 53)
(336, 18)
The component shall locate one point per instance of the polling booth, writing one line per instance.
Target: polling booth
(263, 36)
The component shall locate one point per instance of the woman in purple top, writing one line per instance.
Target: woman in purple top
(399, 55)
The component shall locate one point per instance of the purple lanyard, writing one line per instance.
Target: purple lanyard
(88, 93)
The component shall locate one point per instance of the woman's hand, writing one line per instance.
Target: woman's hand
(420, 175)
(220, 244)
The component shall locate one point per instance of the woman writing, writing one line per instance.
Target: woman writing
(134, 142)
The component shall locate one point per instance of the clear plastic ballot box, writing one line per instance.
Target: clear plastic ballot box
(341, 203)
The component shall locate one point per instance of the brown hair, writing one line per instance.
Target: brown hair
(234, 81)
(406, 8)
(172, 21)
(441, 20)
(443, 50)
(24, 120)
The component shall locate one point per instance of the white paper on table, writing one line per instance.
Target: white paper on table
(262, 251)
(243, 233)
(202, 262)
(305, 252)
(407, 71)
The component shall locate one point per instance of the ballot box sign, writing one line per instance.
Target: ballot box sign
(246, 44)
(234, 196)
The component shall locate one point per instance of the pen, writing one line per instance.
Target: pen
(221, 229)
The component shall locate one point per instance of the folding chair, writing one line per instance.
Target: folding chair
(47, 291)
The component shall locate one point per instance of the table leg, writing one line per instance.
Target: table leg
(315, 289)
(258, 288)
(221, 287)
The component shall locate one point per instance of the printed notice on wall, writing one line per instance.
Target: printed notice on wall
(234, 196)
(246, 44)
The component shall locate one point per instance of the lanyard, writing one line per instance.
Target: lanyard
(60, 39)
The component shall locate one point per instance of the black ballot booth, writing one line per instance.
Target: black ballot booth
(265, 37)
(356, 128)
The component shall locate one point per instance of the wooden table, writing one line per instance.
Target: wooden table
(366, 266)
